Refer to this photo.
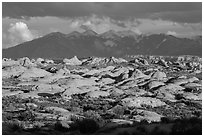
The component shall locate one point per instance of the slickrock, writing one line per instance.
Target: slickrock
(94, 61)
(52, 79)
(78, 90)
(40, 60)
(97, 94)
(181, 81)
(57, 110)
(102, 61)
(159, 75)
(105, 93)
(9, 93)
(139, 74)
(105, 81)
(116, 60)
(122, 122)
(138, 102)
(117, 73)
(72, 61)
(13, 71)
(193, 79)
(155, 84)
(25, 62)
(80, 86)
(98, 71)
(162, 94)
(49, 61)
(31, 94)
(162, 62)
(192, 96)
(135, 91)
(9, 62)
(46, 116)
(172, 88)
(149, 116)
(139, 61)
(46, 88)
(32, 73)
(31, 105)
(193, 86)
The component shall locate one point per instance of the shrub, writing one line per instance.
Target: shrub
(11, 127)
(27, 115)
(88, 126)
(58, 126)
(94, 116)
(165, 120)
(192, 126)
(119, 111)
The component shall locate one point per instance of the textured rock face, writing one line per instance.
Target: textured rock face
(32, 73)
(8, 62)
(140, 61)
(181, 81)
(13, 71)
(47, 88)
(192, 96)
(78, 90)
(103, 61)
(63, 71)
(97, 94)
(57, 110)
(173, 88)
(9, 93)
(95, 91)
(193, 86)
(138, 74)
(26, 62)
(99, 71)
(159, 75)
(155, 84)
(80, 86)
(72, 61)
(142, 101)
(117, 61)
(162, 62)
(147, 115)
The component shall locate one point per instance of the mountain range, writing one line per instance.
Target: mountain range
(57, 45)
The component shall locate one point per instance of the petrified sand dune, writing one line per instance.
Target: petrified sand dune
(107, 90)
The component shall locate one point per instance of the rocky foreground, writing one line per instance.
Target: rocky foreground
(135, 95)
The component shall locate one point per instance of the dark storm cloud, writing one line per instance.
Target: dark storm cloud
(179, 12)
(179, 16)
(32, 9)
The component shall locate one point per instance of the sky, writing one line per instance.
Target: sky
(23, 21)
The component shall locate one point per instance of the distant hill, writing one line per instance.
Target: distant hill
(58, 45)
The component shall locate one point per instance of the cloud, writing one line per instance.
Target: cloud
(101, 24)
(155, 26)
(191, 16)
(176, 11)
(20, 31)
(173, 33)
(17, 33)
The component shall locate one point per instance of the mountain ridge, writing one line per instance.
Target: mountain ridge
(110, 43)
